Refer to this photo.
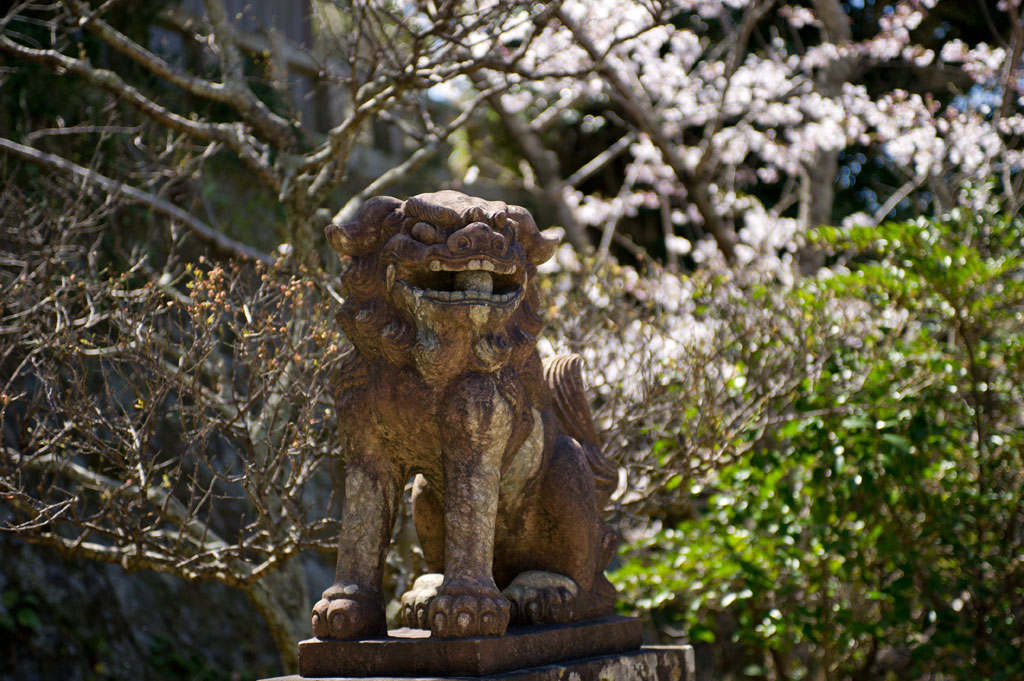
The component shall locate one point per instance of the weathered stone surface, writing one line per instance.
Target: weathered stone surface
(445, 383)
(650, 663)
(412, 652)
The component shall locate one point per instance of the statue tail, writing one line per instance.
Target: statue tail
(564, 376)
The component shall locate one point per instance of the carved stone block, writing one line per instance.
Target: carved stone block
(413, 652)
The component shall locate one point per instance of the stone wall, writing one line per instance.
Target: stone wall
(78, 620)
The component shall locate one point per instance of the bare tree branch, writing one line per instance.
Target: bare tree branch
(542, 160)
(897, 196)
(232, 135)
(697, 188)
(277, 129)
(172, 509)
(601, 160)
(159, 205)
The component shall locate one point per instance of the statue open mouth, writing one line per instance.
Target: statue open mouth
(476, 281)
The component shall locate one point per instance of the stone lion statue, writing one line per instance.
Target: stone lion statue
(445, 384)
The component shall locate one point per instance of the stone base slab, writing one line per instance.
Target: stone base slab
(414, 653)
(650, 663)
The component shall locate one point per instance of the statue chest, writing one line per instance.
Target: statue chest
(412, 419)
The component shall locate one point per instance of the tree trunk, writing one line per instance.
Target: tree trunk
(817, 191)
(283, 600)
(544, 162)
(302, 234)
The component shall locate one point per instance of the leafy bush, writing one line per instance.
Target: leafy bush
(875, 531)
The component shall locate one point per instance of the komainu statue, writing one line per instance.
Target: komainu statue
(445, 383)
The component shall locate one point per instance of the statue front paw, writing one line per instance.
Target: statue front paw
(464, 608)
(345, 615)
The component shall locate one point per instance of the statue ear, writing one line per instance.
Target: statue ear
(539, 248)
(365, 230)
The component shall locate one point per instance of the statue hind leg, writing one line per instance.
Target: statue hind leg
(570, 535)
(563, 544)
(428, 514)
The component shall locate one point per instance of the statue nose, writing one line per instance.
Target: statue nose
(476, 236)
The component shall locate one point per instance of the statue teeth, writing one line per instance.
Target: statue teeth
(475, 280)
(435, 265)
(476, 265)
(487, 265)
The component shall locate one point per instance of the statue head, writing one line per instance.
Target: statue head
(444, 282)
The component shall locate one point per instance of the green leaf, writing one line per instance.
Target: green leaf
(28, 618)
(899, 442)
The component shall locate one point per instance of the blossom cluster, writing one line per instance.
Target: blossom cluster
(760, 119)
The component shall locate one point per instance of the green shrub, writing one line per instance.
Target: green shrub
(876, 530)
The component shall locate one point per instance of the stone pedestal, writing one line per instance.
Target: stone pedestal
(650, 663)
(607, 649)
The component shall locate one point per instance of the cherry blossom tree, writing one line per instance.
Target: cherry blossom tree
(732, 117)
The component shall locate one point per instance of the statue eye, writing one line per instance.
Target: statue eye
(425, 233)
